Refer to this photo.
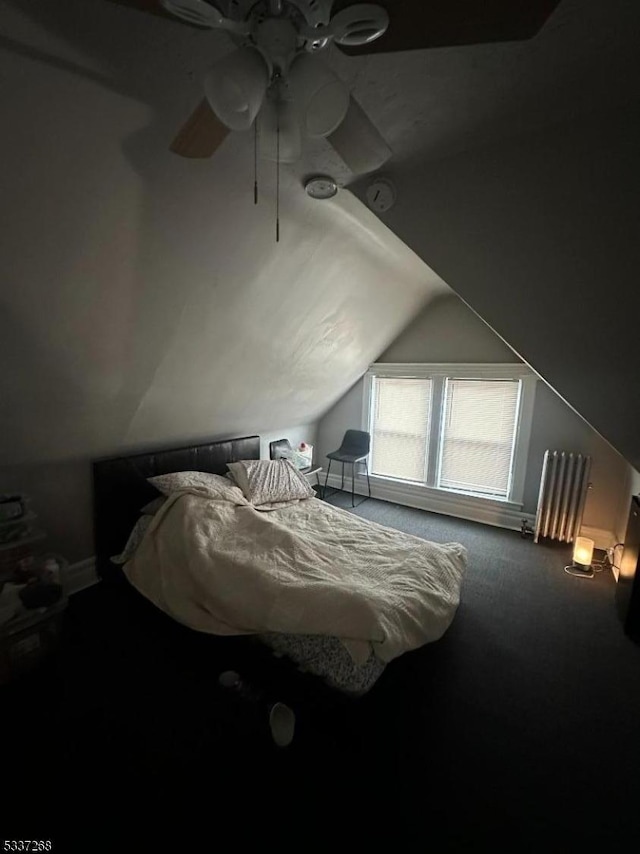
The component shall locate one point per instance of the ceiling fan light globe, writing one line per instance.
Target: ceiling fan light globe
(326, 109)
(359, 24)
(233, 96)
(321, 98)
(235, 87)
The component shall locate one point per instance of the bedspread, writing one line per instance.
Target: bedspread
(222, 567)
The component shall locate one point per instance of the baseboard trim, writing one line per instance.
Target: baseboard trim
(486, 512)
(81, 575)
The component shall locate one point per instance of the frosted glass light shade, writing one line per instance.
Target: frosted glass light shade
(583, 551)
(235, 87)
(320, 96)
(290, 144)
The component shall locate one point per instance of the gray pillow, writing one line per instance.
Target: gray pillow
(270, 481)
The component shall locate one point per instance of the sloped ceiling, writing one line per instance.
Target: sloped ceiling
(540, 237)
(145, 296)
(537, 228)
(144, 300)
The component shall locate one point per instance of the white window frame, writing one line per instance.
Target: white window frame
(438, 373)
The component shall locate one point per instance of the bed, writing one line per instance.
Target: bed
(338, 595)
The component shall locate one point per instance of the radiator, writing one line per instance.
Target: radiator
(563, 491)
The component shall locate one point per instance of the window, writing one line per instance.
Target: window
(478, 434)
(459, 428)
(400, 427)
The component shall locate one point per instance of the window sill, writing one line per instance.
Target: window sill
(441, 491)
(488, 511)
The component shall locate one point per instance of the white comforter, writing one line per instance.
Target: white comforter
(221, 566)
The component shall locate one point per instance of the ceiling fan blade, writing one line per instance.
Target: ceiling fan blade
(416, 24)
(201, 134)
(359, 142)
(152, 6)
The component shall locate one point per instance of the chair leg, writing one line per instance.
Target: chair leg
(353, 480)
(342, 484)
(326, 480)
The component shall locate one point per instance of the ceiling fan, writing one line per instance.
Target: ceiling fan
(275, 75)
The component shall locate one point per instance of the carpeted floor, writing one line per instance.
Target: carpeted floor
(518, 731)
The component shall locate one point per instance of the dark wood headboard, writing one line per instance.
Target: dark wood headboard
(120, 488)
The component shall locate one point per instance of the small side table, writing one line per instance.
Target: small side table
(29, 639)
(32, 634)
(309, 472)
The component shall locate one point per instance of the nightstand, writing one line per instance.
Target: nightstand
(310, 472)
(31, 634)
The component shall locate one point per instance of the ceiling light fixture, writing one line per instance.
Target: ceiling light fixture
(321, 98)
(235, 87)
(273, 82)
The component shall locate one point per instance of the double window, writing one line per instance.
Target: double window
(460, 428)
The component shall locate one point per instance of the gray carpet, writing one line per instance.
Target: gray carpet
(518, 731)
(535, 690)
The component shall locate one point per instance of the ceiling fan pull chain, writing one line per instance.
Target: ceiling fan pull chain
(255, 162)
(278, 171)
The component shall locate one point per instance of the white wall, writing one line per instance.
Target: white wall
(145, 301)
(448, 331)
(539, 236)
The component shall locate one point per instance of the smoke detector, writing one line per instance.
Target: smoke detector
(321, 187)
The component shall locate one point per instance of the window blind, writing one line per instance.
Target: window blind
(478, 434)
(400, 428)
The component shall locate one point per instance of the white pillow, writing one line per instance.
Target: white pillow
(270, 481)
(215, 485)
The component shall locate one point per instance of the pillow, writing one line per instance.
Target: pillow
(269, 481)
(177, 480)
(152, 507)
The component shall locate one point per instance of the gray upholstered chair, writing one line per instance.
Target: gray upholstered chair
(354, 449)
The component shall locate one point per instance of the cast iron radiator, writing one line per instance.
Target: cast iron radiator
(563, 491)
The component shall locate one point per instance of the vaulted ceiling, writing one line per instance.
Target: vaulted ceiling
(428, 104)
(530, 213)
(145, 298)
